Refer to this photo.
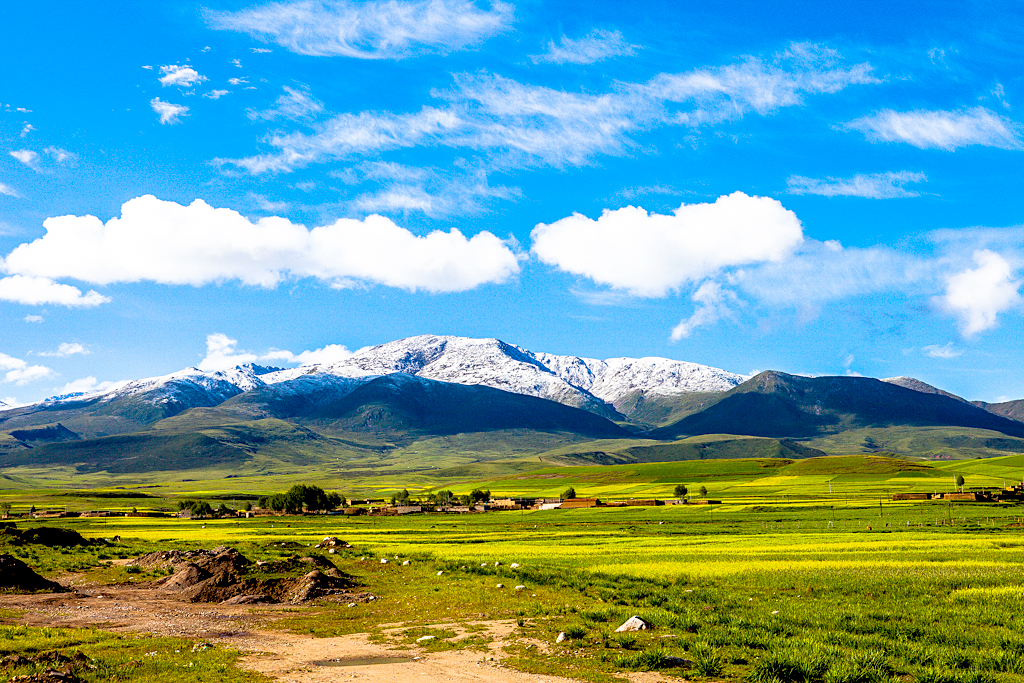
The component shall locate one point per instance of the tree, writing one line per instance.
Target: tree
(960, 482)
(703, 491)
(400, 498)
(569, 493)
(680, 491)
(335, 500)
(480, 495)
(248, 505)
(5, 509)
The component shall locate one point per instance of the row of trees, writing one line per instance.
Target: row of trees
(302, 497)
(680, 491)
(443, 497)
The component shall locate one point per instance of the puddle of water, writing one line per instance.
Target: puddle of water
(366, 661)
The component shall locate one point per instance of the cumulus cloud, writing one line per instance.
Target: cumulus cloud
(870, 186)
(650, 254)
(165, 242)
(522, 124)
(332, 353)
(84, 385)
(33, 318)
(221, 353)
(169, 113)
(34, 290)
(8, 191)
(19, 372)
(946, 351)
(27, 157)
(295, 104)
(66, 349)
(593, 47)
(978, 295)
(376, 29)
(947, 130)
(713, 304)
(183, 76)
(216, 94)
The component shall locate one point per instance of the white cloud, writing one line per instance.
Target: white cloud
(222, 354)
(260, 50)
(332, 353)
(27, 128)
(651, 254)
(593, 47)
(713, 304)
(197, 244)
(375, 29)
(19, 372)
(83, 385)
(870, 186)
(66, 349)
(238, 81)
(33, 318)
(522, 124)
(216, 94)
(27, 157)
(237, 63)
(945, 130)
(428, 190)
(946, 351)
(297, 105)
(182, 76)
(61, 156)
(978, 295)
(8, 190)
(825, 271)
(169, 113)
(35, 291)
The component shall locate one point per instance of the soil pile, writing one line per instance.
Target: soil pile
(50, 536)
(226, 576)
(18, 577)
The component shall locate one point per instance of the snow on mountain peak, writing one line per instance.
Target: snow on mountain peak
(586, 383)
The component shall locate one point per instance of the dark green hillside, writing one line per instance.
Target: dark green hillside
(774, 404)
(401, 404)
(1012, 410)
(705, 448)
(658, 410)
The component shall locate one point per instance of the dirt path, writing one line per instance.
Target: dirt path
(287, 657)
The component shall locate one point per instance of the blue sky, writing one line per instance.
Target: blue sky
(810, 187)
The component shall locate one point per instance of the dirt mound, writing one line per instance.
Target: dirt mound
(18, 577)
(225, 575)
(48, 676)
(51, 536)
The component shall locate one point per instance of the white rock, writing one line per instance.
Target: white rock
(383, 560)
(519, 588)
(424, 639)
(497, 564)
(514, 565)
(483, 564)
(406, 563)
(560, 638)
(634, 623)
(351, 604)
(331, 551)
(440, 572)
(500, 585)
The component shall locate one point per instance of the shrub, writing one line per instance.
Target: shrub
(575, 631)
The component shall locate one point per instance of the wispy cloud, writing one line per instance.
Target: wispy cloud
(593, 47)
(8, 191)
(169, 113)
(377, 29)
(946, 130)
(66, 349)
(713, 303)
(946, 351)
(216, 94)
(521, 124)
(295, 104)
(870, 186)
(27, 157)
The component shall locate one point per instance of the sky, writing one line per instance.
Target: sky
(813, 187)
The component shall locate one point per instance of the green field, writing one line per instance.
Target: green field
(807, 572)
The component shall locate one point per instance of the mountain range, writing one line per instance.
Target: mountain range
(391, 396)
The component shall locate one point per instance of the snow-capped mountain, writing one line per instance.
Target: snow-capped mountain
(594, 385)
